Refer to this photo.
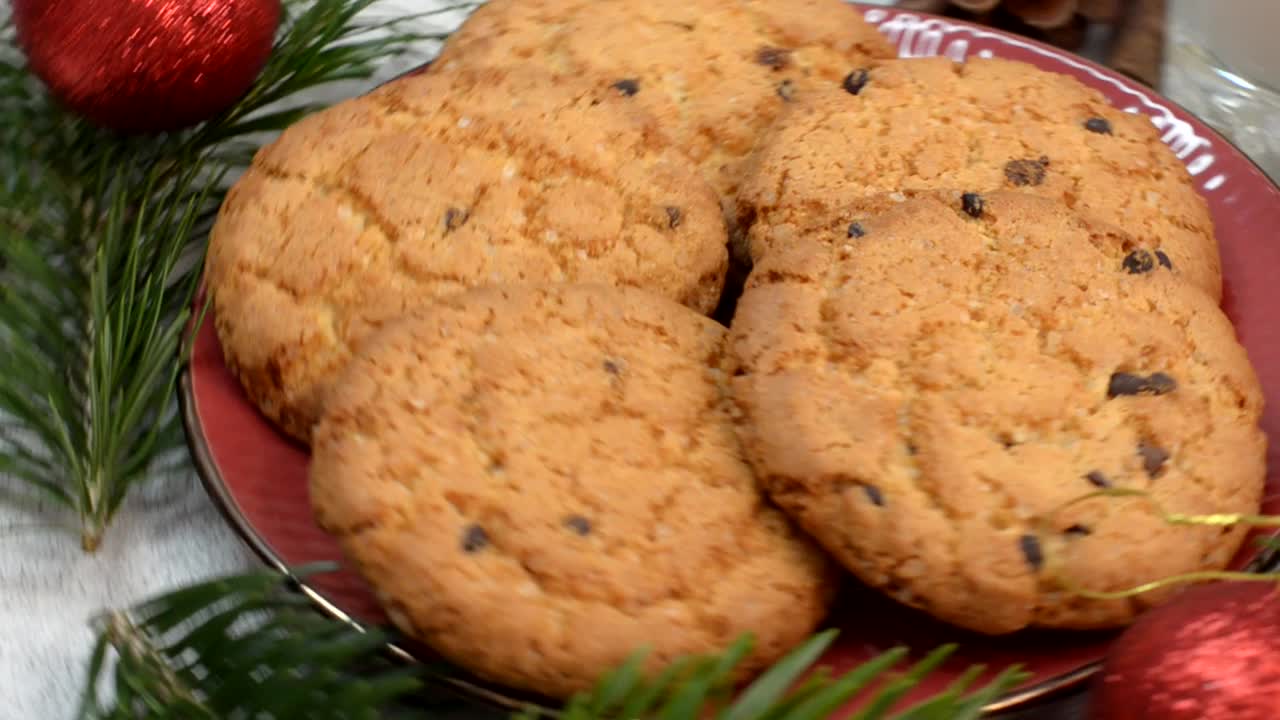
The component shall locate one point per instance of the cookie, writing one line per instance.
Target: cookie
(715, 73)
(540, 480)
(932, 124)
(432, 185)
(924, 396)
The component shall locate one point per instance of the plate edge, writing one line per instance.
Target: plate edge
(216, 488)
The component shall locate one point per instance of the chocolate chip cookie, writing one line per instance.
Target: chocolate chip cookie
(924, 392)
(432, 185)
(538, 481)
(715, 73)
(932, 124)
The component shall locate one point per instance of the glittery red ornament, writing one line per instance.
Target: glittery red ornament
(1213, 653)
(147, 65)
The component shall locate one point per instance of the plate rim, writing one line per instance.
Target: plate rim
(508, 699)
(215, 485)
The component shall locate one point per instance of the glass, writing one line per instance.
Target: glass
(1223, 64)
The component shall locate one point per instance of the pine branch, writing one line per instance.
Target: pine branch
(246, 646)
(238, 647)
(100, 241)
(693, 687)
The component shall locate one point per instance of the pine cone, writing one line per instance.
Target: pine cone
(1059, 22)
(1042, 14)
(1136, 45)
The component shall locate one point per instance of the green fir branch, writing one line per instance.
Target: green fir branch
(248, 646)
(241, 646)
(101, 237)
(695, 688)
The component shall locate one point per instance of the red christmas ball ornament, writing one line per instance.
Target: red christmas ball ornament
(1212, 653)
(147, 65)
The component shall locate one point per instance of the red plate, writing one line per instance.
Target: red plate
(259, 477)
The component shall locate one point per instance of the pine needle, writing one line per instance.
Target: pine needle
(243, 646)
(246, 646)
(100, 240)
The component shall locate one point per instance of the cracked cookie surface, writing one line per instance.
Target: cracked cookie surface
(715, 73)
(431, 185)
(930, 124)
(540, 480)
(922, 395)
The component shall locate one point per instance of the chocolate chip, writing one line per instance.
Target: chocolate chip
(578, 524)
(855, 81)
(873, 494)
(674, 216)
(912, 450)
(1098, 479)
(1026, 172)
(1161, 384)
(1139, 262)
(455, 218)
(787, 90)
(773, 57)
(972, 204)
(1098, 125)
(856, 230)
(1153, 459)
(474, 539)
(1164, 259)
(611, 367)
(1078, 530)
(1123, 384)
(1031, 550)
(628, 86)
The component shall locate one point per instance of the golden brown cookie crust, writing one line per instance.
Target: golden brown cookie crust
(538, 481)
(922, 397)
(987, 124)
(434, 184)
(715, 73)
